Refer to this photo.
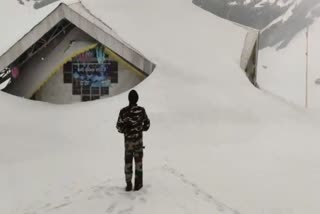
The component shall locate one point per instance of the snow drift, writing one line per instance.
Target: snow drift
(289, 65)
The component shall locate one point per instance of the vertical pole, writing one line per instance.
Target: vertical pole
(307, 65)
(257, 58)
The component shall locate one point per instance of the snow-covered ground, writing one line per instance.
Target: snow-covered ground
(282, 66)
(216, 143)
(283, 72)
(289, 64)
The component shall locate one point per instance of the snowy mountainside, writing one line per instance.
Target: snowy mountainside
(279, 20)
(296, 19)
(283, 44)
(256, 14)
(288, 64)
(37, 3)
(261, 3)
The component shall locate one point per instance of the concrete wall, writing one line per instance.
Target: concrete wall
(38, 69)
(58, 92)
(248, 48)
(127, 80)
(251, 69)
(249, 55)
(55, 91)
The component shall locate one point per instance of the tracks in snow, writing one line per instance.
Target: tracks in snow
(166, 190)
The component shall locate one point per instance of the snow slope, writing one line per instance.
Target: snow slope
(216, 143)
(16, 20)
(284, 69)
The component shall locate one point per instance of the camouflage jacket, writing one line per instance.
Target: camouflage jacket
(132, 121)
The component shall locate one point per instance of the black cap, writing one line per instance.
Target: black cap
(133, 97)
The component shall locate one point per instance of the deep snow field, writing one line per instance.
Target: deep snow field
(216, 143)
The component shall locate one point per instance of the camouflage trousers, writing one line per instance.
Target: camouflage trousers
(134, 151)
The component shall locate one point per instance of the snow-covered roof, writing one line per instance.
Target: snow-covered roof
(17, 20)
(80, 16)
(75, 11)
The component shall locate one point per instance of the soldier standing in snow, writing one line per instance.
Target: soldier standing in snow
(132, 121)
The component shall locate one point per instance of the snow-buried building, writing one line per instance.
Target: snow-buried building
(70, 55)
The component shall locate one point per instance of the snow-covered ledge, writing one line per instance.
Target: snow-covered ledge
(249, 55)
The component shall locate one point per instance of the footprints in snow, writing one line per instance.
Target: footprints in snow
(221, 207)
(126, 211)
(114, 200)
(112, 207)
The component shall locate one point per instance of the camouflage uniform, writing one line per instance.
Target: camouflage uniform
(132, 121)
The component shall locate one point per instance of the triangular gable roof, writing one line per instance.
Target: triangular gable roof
(82, 18)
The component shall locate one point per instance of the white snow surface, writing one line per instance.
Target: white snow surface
(290, 73)
(283, 72)
(16, 20)
(216, 143)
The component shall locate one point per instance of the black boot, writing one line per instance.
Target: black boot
(129, 186)
(137, 187)
(138, 184)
